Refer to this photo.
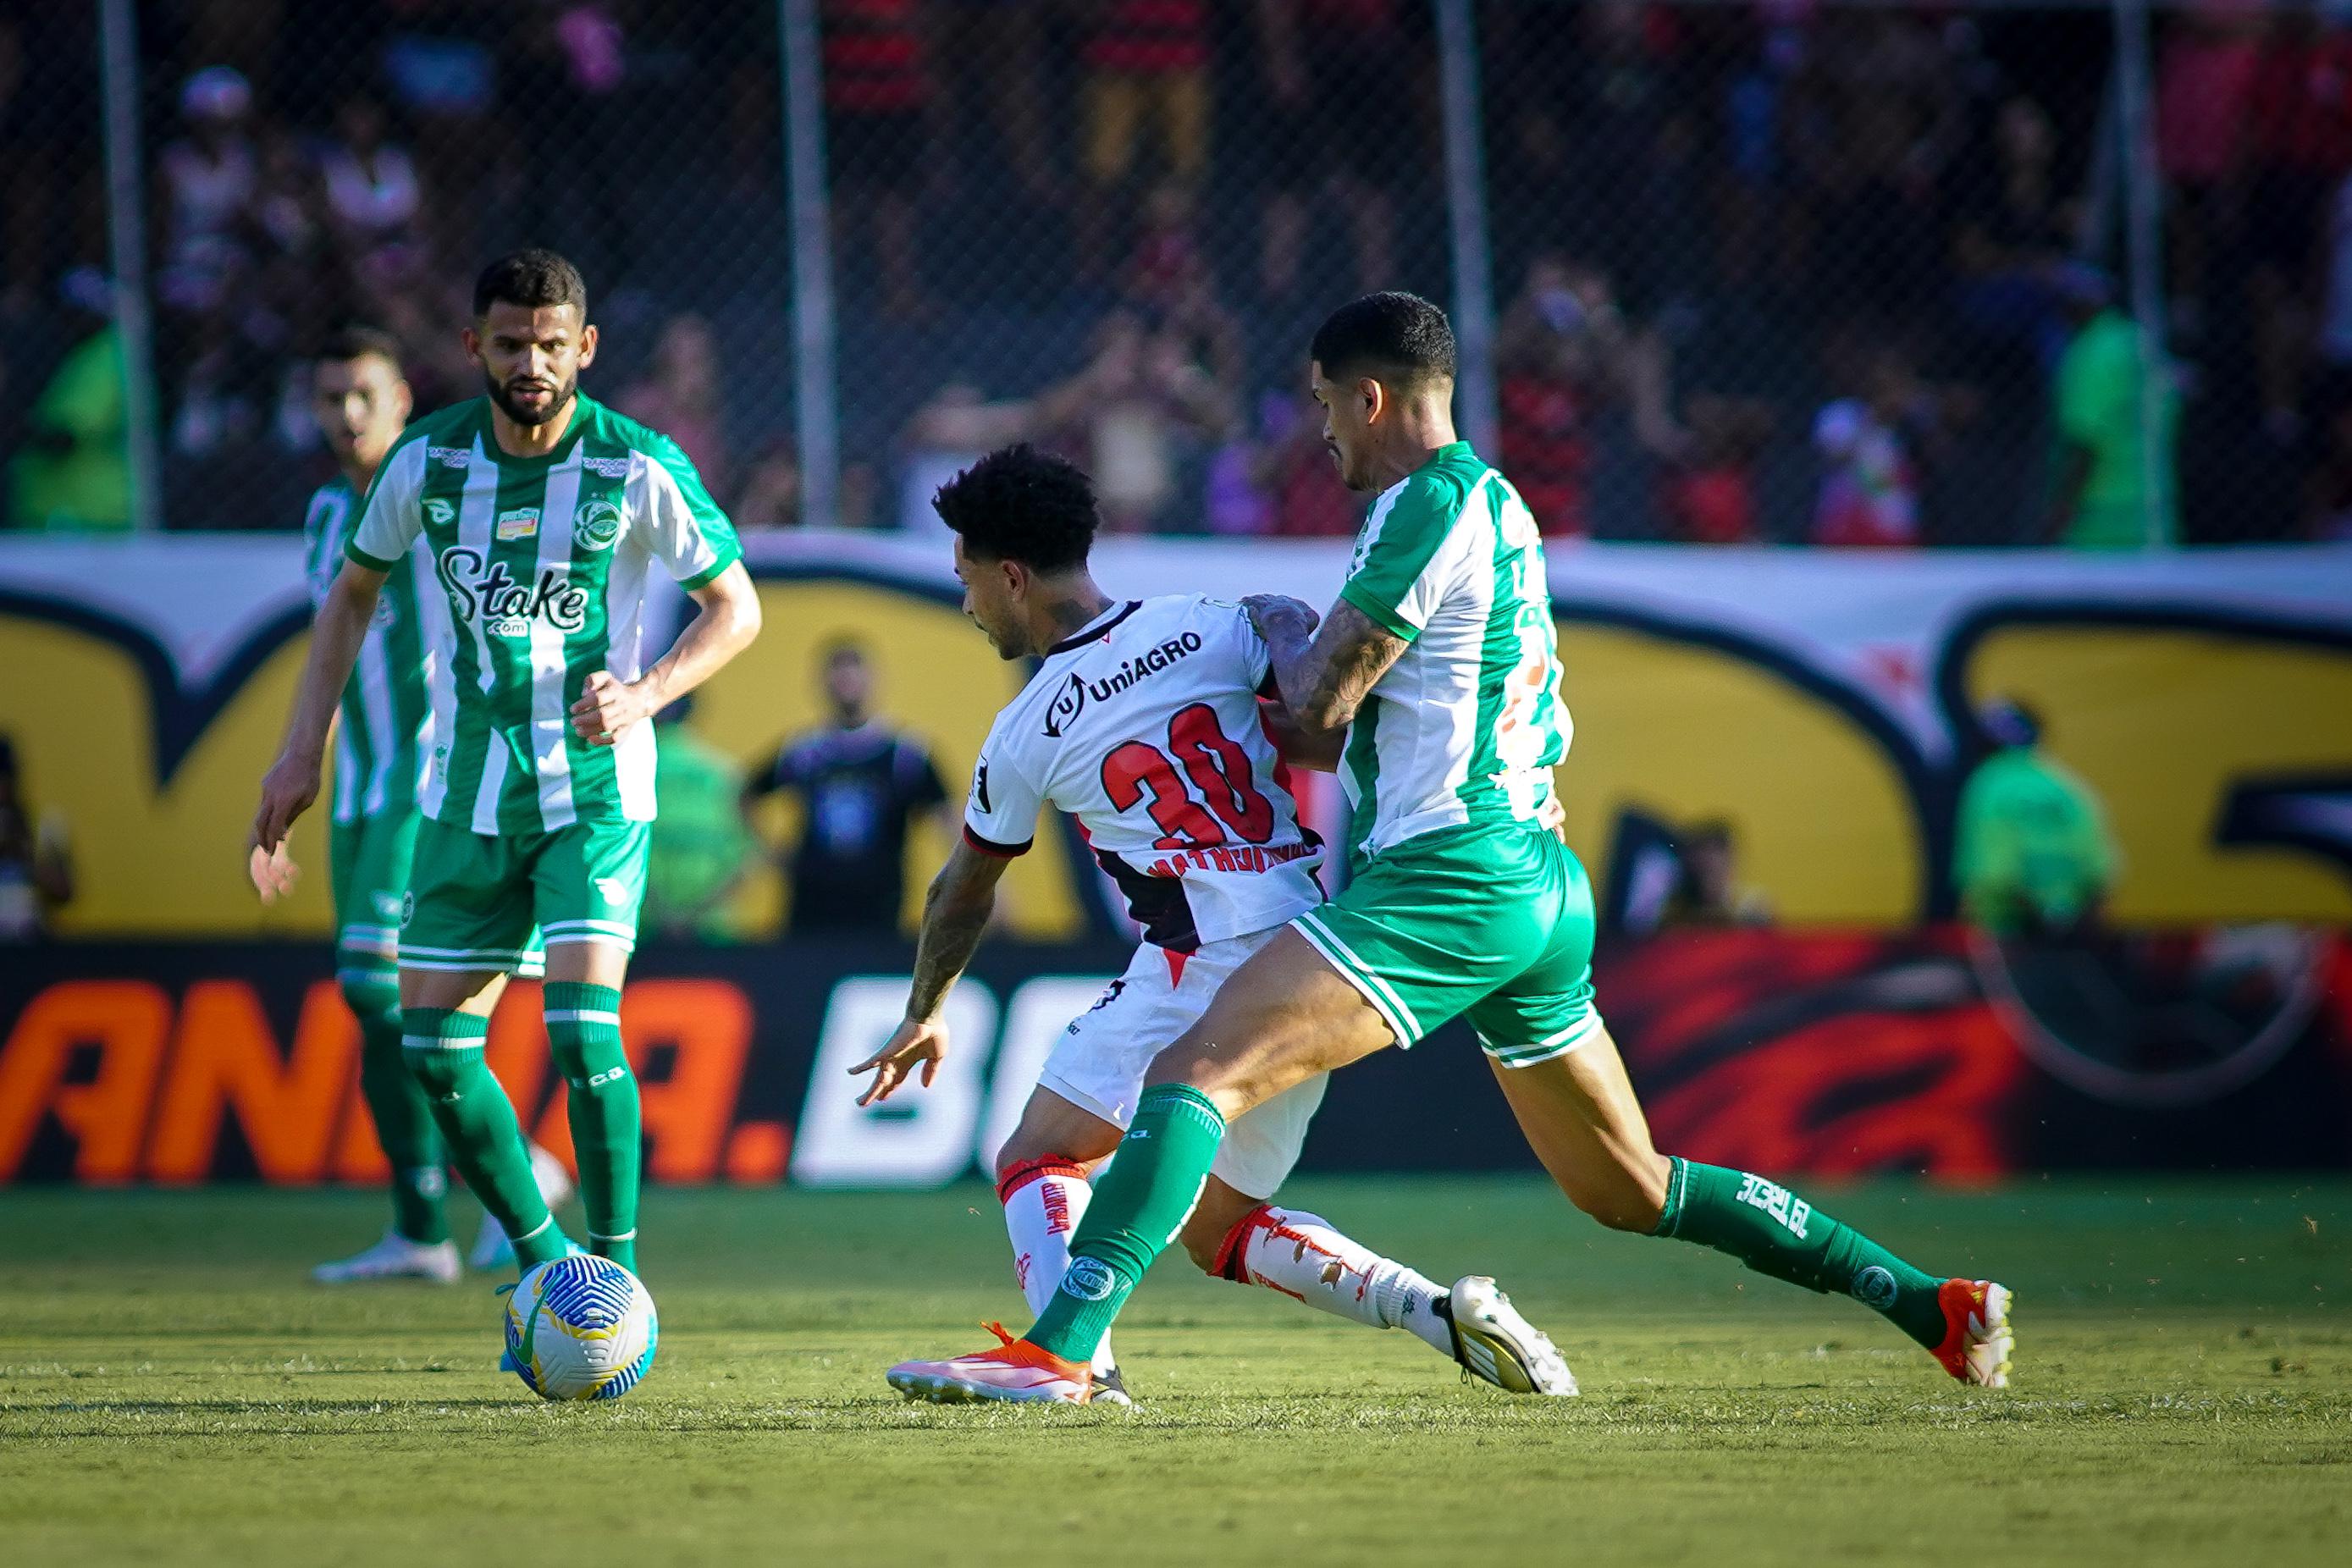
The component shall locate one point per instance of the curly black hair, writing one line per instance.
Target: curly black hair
(1393, 337)
(1021, 504)
(529, 279)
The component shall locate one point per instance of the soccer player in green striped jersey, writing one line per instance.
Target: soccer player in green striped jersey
(542, 514)
(1439, 662)
(361, 404)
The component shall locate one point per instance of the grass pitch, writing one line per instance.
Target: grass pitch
(173, 1390)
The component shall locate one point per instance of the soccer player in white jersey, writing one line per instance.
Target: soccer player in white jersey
(543, 512)
(1142, 722)
(1438, 663)
(361, 401)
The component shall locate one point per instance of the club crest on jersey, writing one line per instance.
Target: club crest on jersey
(484, 593)
(522, 522)
(439, 512)
(1068, 704)
(596, 525)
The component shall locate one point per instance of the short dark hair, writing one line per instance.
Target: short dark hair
(1392, 336)
(1021, 504)
(358, 341)
(530, 278)
(845, 645)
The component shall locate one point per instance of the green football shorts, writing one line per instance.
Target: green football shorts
(1491, 922)
(367, 869)
(473, 897)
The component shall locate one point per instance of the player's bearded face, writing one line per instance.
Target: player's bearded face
(531, 359)
(530, 398)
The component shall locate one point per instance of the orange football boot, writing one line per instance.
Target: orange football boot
(1016, 1371)
(1978, 1340)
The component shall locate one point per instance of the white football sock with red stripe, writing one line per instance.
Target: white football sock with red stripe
(1302, 1255)
(1043, 1201)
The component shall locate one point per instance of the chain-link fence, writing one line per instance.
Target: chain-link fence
(1841, 272)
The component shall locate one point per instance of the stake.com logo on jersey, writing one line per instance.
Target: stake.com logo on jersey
(505, 607)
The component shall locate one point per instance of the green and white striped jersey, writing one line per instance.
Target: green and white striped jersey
(1466, 725)
(387, 724)
(543, 567)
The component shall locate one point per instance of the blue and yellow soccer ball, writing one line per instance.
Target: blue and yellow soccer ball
(580, 1328)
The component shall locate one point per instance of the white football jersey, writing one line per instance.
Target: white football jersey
(1145, 727)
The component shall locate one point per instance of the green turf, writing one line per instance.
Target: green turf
(171, 1390)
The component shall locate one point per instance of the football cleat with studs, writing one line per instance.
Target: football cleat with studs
(1495, 1344)
(1978, 1340)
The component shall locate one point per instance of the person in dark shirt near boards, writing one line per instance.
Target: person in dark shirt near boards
(862, 785)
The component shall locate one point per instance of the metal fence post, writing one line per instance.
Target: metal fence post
(118, 48)
(815, 381)
(1465, 203)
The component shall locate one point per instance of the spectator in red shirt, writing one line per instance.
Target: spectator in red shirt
(1563, 351)
(1294, 468)
(1143, 60)
(1706, 486)
(878, 97)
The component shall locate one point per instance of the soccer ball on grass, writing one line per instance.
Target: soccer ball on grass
(580, 1328)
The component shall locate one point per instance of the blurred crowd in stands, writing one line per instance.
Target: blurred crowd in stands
(1791, 271)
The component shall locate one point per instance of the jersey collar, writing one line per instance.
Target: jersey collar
(1101, 628)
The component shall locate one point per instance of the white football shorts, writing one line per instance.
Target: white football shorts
(1098, 1063)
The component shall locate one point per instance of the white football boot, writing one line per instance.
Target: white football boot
(492, 1250)
(394, 1258)
(1496, 1344)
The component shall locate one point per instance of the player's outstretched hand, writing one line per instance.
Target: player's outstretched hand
(1268, 610)
(608, 706)
(911, 1043)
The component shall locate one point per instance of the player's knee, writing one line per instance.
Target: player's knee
(1020, 1150)
(1629, 1198)
(1204, 1244)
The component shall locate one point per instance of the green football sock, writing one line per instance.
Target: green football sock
(1140, 1202)
(403, 1117)
(1774, 1232)
(444, 1051)
(583, 1029)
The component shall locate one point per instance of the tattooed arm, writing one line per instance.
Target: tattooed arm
(1325, 673)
